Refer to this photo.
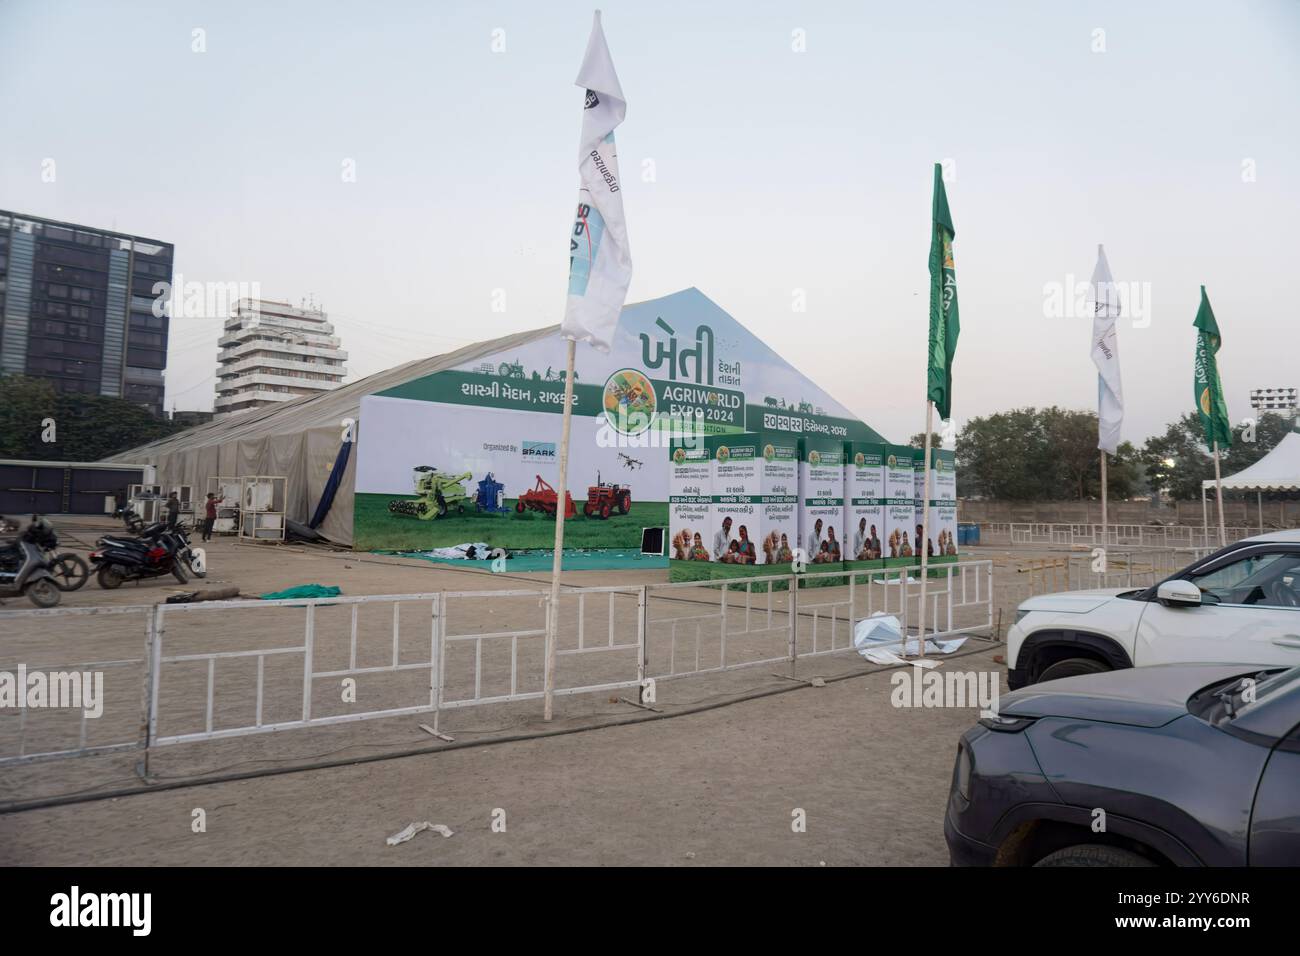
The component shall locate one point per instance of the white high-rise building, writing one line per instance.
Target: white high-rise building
(274, 352)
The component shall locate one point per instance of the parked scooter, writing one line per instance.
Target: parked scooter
(23, 566)
(70, 570)
(157, 551)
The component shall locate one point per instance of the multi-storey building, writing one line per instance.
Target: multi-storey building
(274, 352)
(84, 307)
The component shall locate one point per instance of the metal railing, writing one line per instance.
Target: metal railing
(1108, 569)
(202, 677)
(32, 734)
(1033, 534)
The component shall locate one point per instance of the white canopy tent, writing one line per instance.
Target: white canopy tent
(1279, 470)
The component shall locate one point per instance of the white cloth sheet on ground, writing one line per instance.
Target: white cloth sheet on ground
(879, 639)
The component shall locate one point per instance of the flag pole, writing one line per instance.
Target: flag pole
(1218, 493)
(561, 497)
(925, 532)
(1105, 536)
(1205, 517)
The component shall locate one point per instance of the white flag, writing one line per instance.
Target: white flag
(1105, 355)
(600, 262)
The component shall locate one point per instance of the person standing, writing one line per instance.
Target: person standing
(722, 540)
(860, 541)
(209, 516)
(173, 510)
(815, 541)
(747, 554)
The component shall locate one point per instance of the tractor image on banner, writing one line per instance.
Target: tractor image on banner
(605, 498)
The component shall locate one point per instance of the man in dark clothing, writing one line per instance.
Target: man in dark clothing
(173, 510)
(209, 516)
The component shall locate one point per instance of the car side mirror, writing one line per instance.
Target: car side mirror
(1179, 593)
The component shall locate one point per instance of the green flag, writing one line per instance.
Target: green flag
(1209, 389)
(944, 323)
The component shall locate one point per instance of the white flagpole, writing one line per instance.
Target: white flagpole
(1205, 517)
(1105, 356)
(1218, 491)
(599, 275)
(925, 533)
(561, 494)
(1105, 537)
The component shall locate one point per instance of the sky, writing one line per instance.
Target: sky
(776, 155)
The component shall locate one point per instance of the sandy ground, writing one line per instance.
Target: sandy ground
(713, 788)
(720, 785)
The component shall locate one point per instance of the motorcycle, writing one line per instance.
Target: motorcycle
(194, 562)
(24, 568)
(157, 551)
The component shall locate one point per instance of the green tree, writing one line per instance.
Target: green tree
(1178, 461)
(1006, 455)
(918, 440)
(1048, 454)
(1125, 477)
(1073, 438)
(1269, 429)
(82, 427)
(25, 406)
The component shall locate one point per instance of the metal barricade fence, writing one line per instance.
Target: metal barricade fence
(333, 633)
(1113, 569)
(705, 627)
(1031, 534)
(32, 731)
(224, 669)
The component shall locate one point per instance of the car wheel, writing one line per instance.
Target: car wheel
(1093, 854)
(1073, 667)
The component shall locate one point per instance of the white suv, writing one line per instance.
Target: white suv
(1239, 605)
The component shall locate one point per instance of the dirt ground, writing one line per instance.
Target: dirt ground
(712, 787)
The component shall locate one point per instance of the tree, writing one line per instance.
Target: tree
(38, 422)
(1178, 461)
(1073, 438)
(1005, 456)
(918, 440)
(25, 405)
(1049, 454)
(1124, 474)
(1269, 430)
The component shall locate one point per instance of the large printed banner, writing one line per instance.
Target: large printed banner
(900, 505)
(679, 367)
(864, 503)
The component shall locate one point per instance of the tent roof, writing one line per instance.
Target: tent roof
(326, 409)
(1279, 470)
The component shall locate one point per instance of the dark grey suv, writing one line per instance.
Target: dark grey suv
(1178, 764)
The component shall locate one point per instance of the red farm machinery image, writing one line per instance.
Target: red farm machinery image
(542, 497)
(603, 499)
